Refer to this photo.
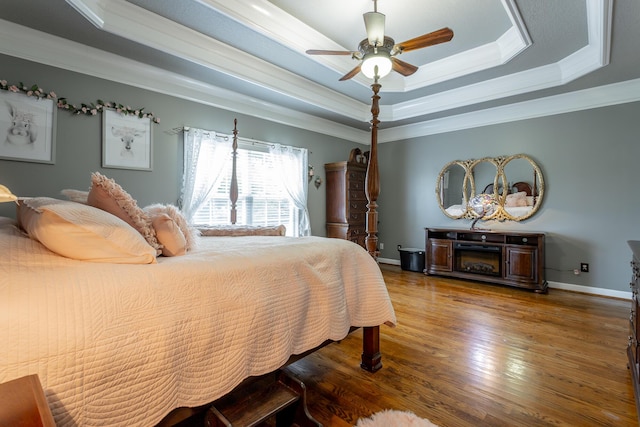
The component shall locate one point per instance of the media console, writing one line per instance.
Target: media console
(506, 258)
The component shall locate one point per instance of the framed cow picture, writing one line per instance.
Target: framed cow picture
(126, 141)
(27, 128)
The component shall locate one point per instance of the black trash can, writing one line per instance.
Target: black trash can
(411, 259)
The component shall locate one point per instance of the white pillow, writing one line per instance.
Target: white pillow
(82, 232)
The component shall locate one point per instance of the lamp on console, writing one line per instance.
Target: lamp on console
(6, 195)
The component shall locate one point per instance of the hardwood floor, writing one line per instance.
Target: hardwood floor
(467, 354)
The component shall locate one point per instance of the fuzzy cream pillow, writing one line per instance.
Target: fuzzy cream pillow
(108, 195)
(189, 233)
(169, 235)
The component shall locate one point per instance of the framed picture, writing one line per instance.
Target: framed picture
(126, 141)
(27, 128)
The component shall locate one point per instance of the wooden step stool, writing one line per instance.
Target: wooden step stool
(283, 396)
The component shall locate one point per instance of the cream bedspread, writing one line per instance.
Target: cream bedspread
(122, 345)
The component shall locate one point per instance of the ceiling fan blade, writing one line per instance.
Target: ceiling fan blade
(402, 67)
(328, 52)
(351, 73)
(436, 37)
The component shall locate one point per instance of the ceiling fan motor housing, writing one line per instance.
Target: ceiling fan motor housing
(365, 48)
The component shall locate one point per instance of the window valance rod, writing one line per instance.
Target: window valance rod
(226, 137)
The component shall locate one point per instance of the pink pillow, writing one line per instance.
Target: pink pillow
(107, 195)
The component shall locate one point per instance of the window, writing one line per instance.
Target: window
(262, 201)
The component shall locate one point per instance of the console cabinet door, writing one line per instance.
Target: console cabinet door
(439, 256)
(521, 263)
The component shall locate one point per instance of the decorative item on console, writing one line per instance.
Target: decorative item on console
(512, 188)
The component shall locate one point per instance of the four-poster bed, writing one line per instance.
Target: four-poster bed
(128, 341)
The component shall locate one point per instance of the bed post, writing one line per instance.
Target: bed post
(233, 194)
(371, 356)
(372, 183)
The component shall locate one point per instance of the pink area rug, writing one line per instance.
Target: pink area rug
(391, 418)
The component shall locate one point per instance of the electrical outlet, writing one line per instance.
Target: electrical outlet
(584, 267)
(381, 246)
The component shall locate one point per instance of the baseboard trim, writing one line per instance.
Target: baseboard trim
(590, 290)
(557, 285)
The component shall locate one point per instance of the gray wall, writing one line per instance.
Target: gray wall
(589, 160)
(78, 141)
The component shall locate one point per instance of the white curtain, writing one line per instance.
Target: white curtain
(292, 164)
(204, 158)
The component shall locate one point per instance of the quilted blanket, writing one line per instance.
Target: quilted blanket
(123, 345)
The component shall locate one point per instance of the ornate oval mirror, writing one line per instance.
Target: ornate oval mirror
(500, 188)
(485, 203)
(525, 187)
(453, 189)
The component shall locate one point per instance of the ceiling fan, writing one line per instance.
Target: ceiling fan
(380, 51)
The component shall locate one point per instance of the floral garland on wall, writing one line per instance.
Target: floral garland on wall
(91, 109)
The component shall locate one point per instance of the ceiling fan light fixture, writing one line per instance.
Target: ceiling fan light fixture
(381, 60)
(374, 24)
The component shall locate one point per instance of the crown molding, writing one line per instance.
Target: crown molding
(473, 60)
(601, 96)
(92, 10)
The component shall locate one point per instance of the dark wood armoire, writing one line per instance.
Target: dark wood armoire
(346, 199)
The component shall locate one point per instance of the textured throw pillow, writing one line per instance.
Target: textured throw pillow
(108, 195)
(190, 233)
(169, 235)
(82, 232)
